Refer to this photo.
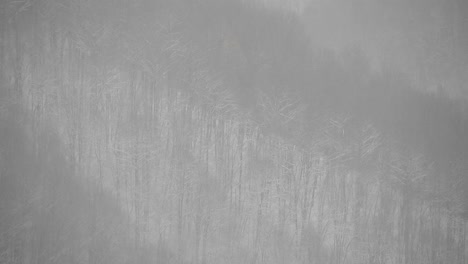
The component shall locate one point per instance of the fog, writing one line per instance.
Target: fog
(233, 131)
(425, 39)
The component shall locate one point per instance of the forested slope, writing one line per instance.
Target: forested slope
(214, 132)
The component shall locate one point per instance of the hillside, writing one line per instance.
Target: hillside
(214, 132)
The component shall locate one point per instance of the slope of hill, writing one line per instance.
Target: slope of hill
(222, 137)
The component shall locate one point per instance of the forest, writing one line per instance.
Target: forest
(233, 131)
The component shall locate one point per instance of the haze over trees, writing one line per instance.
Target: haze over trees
(229, 131)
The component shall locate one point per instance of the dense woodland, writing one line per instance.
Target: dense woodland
(217, 131)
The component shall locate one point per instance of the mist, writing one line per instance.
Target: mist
(233, 131)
